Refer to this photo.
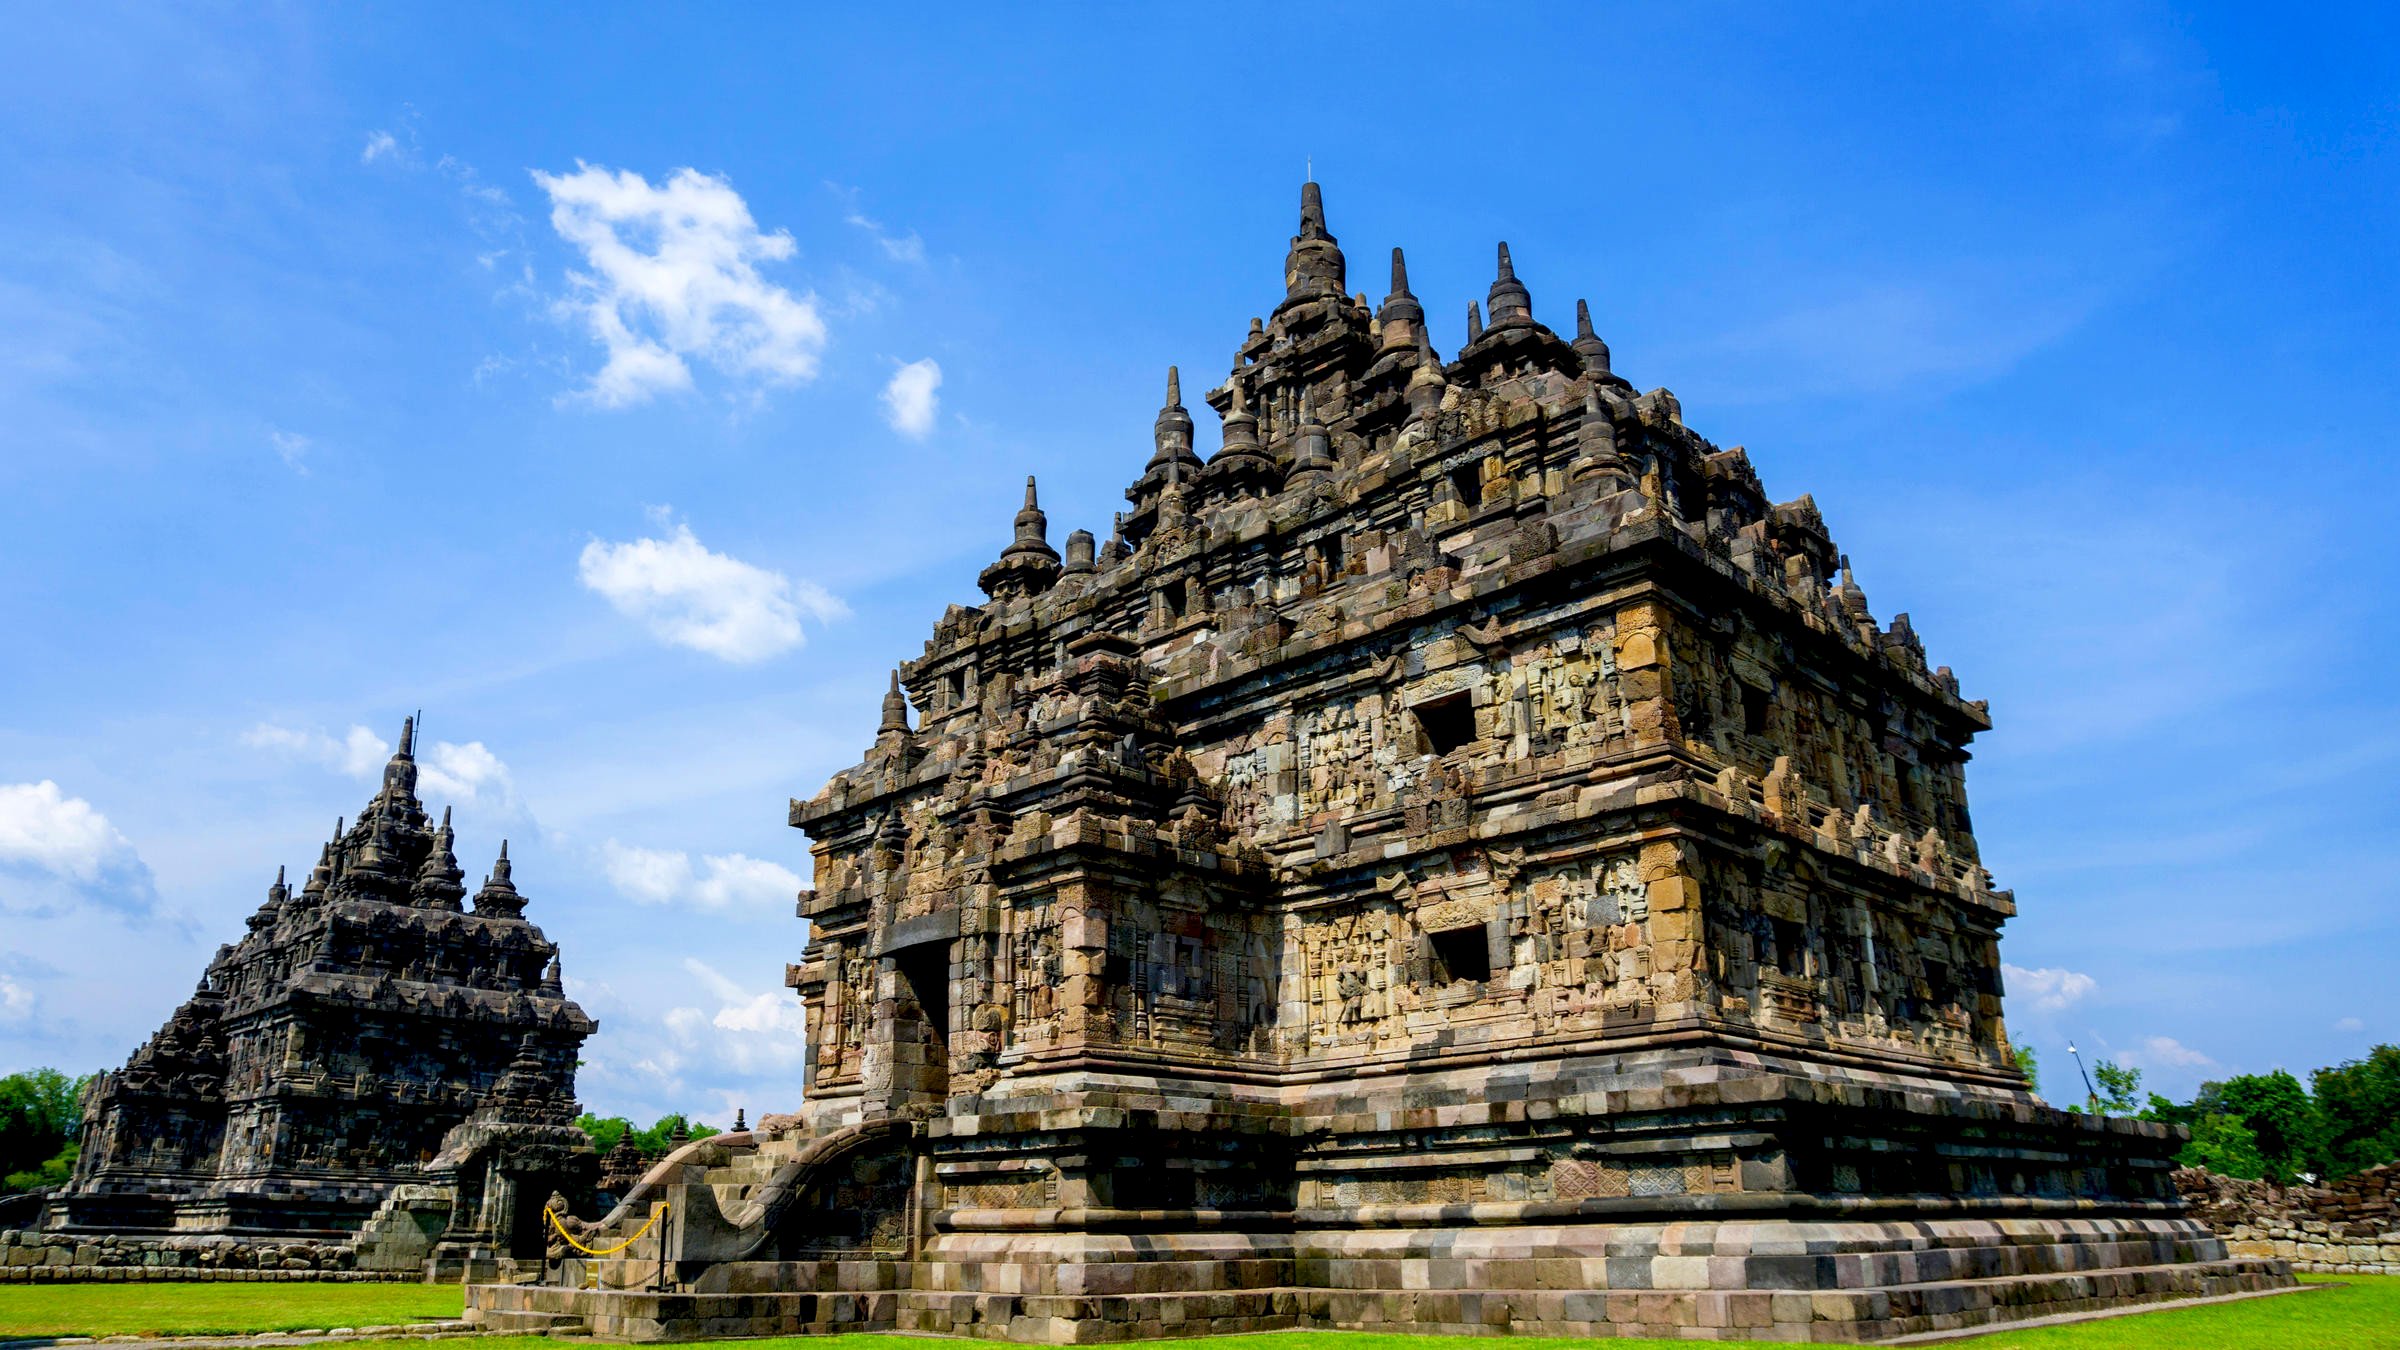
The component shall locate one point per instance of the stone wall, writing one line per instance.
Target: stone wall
(2350, 1227)
(40, 1258)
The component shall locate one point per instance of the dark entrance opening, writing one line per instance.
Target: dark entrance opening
(925, 975)
(1448, 722)
(1460, 954)
(1467, 482)
(529, 1232)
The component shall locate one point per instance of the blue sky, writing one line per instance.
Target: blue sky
(345, 370)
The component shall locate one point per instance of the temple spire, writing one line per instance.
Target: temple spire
(895, 709)
(439, 882)
(1401, 318)
(1426, 382)
(1313, 267)
(1033, 527)
(1312, 449)
(1172, 432)
(499, 899)
(398, 797)
(1474, 321)
(1240, 465)
(1029, 565)
(1587, 343)
(1511, 305)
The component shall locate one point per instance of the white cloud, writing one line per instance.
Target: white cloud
(43, 828)
(909, 401)
(16, 1002)
(380, 145)
(2350, 1024)
(706, 601)
(721, 881)
(2050, 988)
(900, 248)
(465, 773)
(753, 1030)
(294, 448)
(673, 276)
(906, 248)
(2165, 1052)
(359, 753)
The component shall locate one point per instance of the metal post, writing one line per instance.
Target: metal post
(2091, 1094)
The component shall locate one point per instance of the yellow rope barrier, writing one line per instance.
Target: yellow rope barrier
(657, 1211)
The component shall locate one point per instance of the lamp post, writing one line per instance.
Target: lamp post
(2091, 1095)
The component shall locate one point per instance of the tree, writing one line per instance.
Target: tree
(605, 1131)
(40, 1117)
(2170, 1112)
(2027, 1066)
(2279, 1115)
(2358, 1107)
(2119, 1087)
(2224, 1145)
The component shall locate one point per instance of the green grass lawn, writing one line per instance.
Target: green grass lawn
(202, 1309)
(2363, 1314)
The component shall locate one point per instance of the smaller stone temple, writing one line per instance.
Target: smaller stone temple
(376, 1041)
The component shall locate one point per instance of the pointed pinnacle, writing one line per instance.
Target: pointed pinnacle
(408, 738)
(504, 850)
(1399, 273)
(1583, 320)
(1030, 500)
(1508, 270)
(1312, 211)
(1174, 388)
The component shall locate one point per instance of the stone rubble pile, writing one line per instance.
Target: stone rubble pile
(2348, 1227)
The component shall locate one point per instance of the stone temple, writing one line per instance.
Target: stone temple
(370, 1034)
(1462, 859)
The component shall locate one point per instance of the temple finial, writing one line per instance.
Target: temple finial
(1313, 267)
(1474, 321)
(1312, 448)
(895, 709)
(1401, 320)
(1510, 304)
(499, 898)
(408, 738)
(1312, 211)
(1588, 343)
(1171, 434)
(1028, 563)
